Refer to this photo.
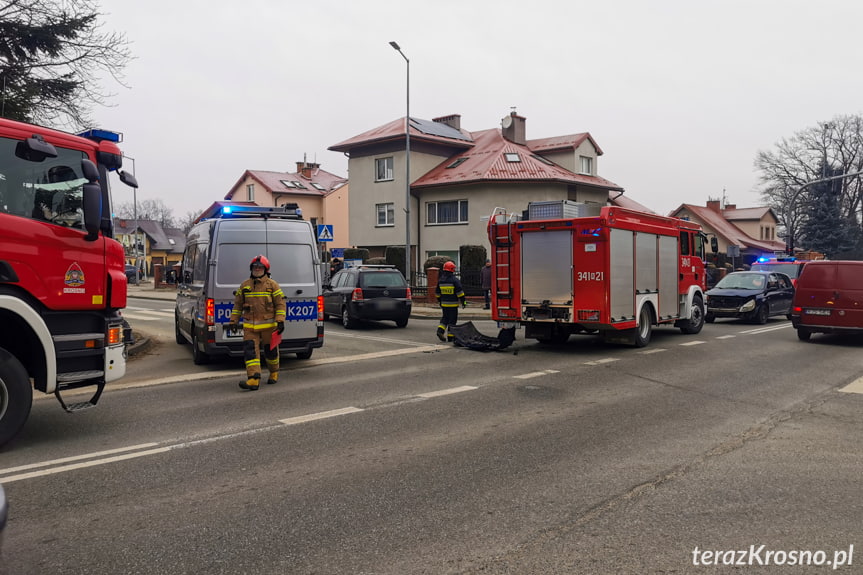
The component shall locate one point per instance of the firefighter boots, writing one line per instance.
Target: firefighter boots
(252, 383)
(274, 377)
(441, 333)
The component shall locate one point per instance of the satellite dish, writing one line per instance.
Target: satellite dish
(506, 122)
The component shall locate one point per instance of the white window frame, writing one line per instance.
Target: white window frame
(433, 213)
(586, 165)
(250, 192)
(384, 169)
(387, 210)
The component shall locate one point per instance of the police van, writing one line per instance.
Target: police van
(218, 252)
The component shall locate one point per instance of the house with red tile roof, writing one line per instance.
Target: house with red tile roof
(458, 178)
(753, 230)
(322, 196)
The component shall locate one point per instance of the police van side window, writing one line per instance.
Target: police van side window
(199, 271)
(188, 263)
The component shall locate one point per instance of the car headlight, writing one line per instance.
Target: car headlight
(748, 306)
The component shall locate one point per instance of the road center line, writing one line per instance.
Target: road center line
(83, 465)
(535, 374)
(696, 342)
(320, 415)
(75, 458)
(447, 391)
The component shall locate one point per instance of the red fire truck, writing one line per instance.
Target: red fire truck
(62, 276)
(615, 273)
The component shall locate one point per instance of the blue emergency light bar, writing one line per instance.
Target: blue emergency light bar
(286, 211)
(98, 135)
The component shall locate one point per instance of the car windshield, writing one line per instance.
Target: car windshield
(789, 269)
(742, 281)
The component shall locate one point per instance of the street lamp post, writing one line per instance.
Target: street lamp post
(135, 214)
(789, 229)
(407, 165)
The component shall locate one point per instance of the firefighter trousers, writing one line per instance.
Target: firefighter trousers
(449, 316)
(254, 341)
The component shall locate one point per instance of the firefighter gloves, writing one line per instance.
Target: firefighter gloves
(280, 327)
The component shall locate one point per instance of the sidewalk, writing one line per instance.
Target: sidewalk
(420, 310)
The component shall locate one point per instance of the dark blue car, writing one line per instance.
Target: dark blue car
(752, 296)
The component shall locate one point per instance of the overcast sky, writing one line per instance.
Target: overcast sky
(679, 94)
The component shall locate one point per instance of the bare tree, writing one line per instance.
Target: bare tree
(186, 222)
(149, 209)
(830, 147)
(52, 54)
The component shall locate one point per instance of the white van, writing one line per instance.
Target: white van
(216, 262)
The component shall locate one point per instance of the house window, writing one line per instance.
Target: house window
(454, 212)
(384, 169)
(250, 192)
(298, 185)
(512, 157)
(386, 214)
(318, 187)
(287, 183)
(586, 165)
(457, 163)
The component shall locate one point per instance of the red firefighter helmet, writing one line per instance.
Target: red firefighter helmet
(449, 266)
(260, 259)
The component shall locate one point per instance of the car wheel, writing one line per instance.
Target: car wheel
(709, 317)
(762, 314)
(347, 321)
(304, 354)
(402, 322)
(803, 334)
(198, 357)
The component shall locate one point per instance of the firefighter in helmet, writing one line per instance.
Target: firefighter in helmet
(261, 304)
(450, 295)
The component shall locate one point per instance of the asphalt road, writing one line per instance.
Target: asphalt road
(393, 454)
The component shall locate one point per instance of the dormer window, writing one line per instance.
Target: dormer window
(586, 165)
(512, 157)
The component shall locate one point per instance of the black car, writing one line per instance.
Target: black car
(753, 296)
(133, 274)
(368, 293)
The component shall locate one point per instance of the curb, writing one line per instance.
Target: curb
(142, 344)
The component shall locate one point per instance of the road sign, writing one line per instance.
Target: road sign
(325, 233)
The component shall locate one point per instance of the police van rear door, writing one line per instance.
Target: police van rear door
(291, 249)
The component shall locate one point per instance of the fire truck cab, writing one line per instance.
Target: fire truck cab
(616, 273)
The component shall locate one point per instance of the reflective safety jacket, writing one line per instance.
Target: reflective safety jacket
(449, 292)
(260, 302)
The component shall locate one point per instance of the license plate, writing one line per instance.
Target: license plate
(817, 312)
(233, 333)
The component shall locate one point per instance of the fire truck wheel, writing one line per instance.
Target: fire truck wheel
(696, 317)
(644, 329)
(16, 396)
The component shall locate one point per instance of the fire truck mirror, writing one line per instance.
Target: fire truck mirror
(714, 245)
(90, 171)
(35, 149)
(128, 179)
(92, 210)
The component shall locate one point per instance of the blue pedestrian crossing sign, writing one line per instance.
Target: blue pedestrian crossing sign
(325, 233)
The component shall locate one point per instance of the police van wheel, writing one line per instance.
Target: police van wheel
(304, 354)
(198, 356)
(178, 336)
(16, 396)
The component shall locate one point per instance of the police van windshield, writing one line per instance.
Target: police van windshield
(290, 264)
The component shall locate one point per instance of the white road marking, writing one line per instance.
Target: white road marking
(447, 391)
(766, 329)
(855, 386)
(649, 351)
(536, 374)
(83, 465)
(75, 458)
(696, 342)
(137, 317)
(602, 361)
(726, 336)
(320, 415)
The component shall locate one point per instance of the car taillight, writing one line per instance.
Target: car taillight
(357, 295)
(211, 312)
(797, 309)
(320, 308)
(408, 293)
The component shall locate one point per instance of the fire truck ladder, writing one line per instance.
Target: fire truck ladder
(501, 235)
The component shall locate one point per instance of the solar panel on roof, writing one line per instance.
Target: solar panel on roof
(438, 129)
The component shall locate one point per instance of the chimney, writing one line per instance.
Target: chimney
(714, 205)
(513, 128)
(305, 169)
(453, 121)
